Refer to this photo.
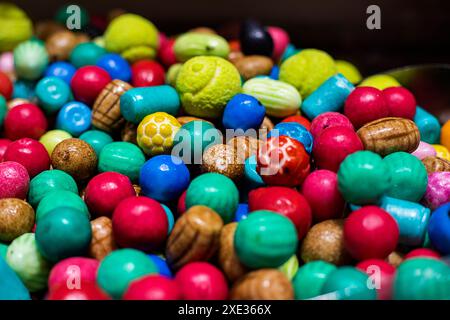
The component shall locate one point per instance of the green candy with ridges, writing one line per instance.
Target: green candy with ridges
(29, 264)
(60, 198)
(118, 269)
(265, 240)
(409, 176)
(348, 283)
(363, 178)
(290, 267)
(48, 181)
(97, 139)
(309, 279)
(122, 157)
(86, 54)
(3, 109)
(193, 44)
(422, 279)
(30, 59)
(216, 191)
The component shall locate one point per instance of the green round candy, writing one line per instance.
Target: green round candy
(216, 191)
(15, 26)
(265, 239)
(422, 279)
(30, 59)
(409, 176)
(193, 44)
(86, 54)
(48, 181)
(62, 233)
(363, 178)
(309, 279)
(51, 138)
(25, 259)
(67, 11)
(123, 157)
(60, 198)
(193, 138)
(290, 267)
(3, 250)
(97, 139)
(348, 283)
(118, 269)
(3, 109)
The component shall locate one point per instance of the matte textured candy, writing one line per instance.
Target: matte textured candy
(244, 146)
(153, 287)
(328, 120)
(300, 120)
(243, 112)
(16, 218)
(193, 44)
(310, 278)
(348, 70)
(52, 93)
(223, 159)
(295, 131)
(380, 81)
(88, 82)
(115, 65)
(60, 198)
(424, 150)
(25, 121)
(441, 151)
(14, 180)
(228, 259)
(252, 66)
(439, 229)
(348, 283)
(102, 242)
(436, 164)
(47, 181)
(60, 44)
(30, 59)
(438, 189)
(255, 39)
(63, 272)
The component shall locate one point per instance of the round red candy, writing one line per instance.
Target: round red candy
(423, 253)
(286, 201)
(88, 82)
(147, 73)
(283, 161)
(140, 223)
(86, 291)
(333, 145)
(381, 274)
(25, 121)
(320, 189)
(370, 233)
(14, 180)
(365, 104)
(6, 86)
(4, 143)
(30, 153)
(153, 287)
(181, 206)
(300, 120)
(329, 120)
(105, 191)
(400, 102)
(202, 281)
(73, 271)
(166, 54)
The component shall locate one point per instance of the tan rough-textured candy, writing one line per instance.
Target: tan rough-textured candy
(325, 241)
(395, 259)
(60, 44)
(223, 159)
(102, 242)
(106, 110)
(228, 260)
(244, 146)
(129, 132)
(436, 164)
(252, 66)
(16, 218)
(263, 284)
(185, 119)
(195, 237)
(387, 135)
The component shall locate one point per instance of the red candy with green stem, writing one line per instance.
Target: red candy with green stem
(381, 275)
(153, 287)
(88, 82)
(25, 121)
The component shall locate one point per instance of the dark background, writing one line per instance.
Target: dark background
(411, 31)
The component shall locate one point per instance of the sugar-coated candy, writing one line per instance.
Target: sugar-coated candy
(60, 198)
(172, 74)
(115, 65)
(243, 112)
(25, 121)
(309, 279)
(423, 253)
(193, 44)
(52, 93)
(280, 40)
(295, 131)
(223, 159)
(153, 287)
(62, 70)
(438, 189)
(244, 146)
(400, 102)
(253, 66)
(14, 180)
(30, 59)
(86, 54)
(255, 39)
(96, 139)
(102, 241)
(147, 73)
(227, 257)
(439, 229)
(13, 287)
(16, 218)
(328, 120)
(424, 150)
(428, 125)
(436, 164)
(88, 82)
(86, 291)
(63, 272)
(349, 71)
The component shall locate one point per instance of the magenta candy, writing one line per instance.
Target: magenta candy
(400, 102)
(424, 150)
(438, 189)
(328, 120)
(280, 41)
(153, 287)
(4, 143)
(73, 271)
(14, 180)
(7, 62)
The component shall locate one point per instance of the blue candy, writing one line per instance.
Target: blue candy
(243, 112)
(164, 178)
(52, 93)
(62, 70)
(161, 264)
(74, 117)
(330, 96)
(429, 127)
(251, 175)
(275, 73)
(439, 229)
(116, 66)
(295, 131)
(170, 218)
(241, 212)
(97, 139)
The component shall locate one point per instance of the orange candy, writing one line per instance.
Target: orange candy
(445, 135)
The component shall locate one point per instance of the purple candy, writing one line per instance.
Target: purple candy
(438, 189)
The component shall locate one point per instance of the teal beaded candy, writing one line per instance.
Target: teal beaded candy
(30, 59)
(60, 198)
(265, 239)
(309, 279)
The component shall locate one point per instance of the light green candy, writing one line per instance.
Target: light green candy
(172, 74)
(194, 44)
(206, 84)
(15, 26)
(31, 267)
(290, 267)
(132, 36)
(349, 71)
(30, 59)
(307, 70)
(280, 98)
(51, 138)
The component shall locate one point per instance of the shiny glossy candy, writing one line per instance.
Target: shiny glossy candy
(153, 287)
(86, 54)
(87, 291)
(439, 229)
(47, 181)
(6, 86)
(310, 278)
(348, 283)
(253, 66)
(96, 139)
(52, 93)
(88, 82)
(115, 65)
(60, 198)
(400, 102)
(328, 120)
(254, 39)
(280, 40)
(25, 121)
(147, 73)
(424, 150)
(63, 272)
(62, 70)
(243, 112)
(295, 131)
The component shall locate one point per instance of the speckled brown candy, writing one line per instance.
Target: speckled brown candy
(387, 135)
(263, 284)
(44, 29)
(325, 241)
(16, 218)
(60, 44)
(252, 66)
(228, 260)
(195, 237)
(223, 159)
(102, 242)
(244, 146)
(436, 164)
(129, 133)
(75, 157)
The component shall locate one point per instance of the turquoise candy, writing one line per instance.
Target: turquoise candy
(170, 218)
(193, 138)
(118, 269)
(215, 191)
(409, 177)
(310, 278)
(26, 260)
(3, 250)
(30, 59)
(97, 139)
(363, 178)
(193, 44)
(251, 175)
(52, 93)
(289, 52)
(62, 233)
(348, 283)
(3, 110)
(265, 239)
(422, 279)
(60, 198)
(11, 287)
(47, 181)
(24, 89)
(86, 54)
(428, 125)
(123, 157)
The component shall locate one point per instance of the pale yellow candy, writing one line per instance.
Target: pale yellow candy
(51, 138)
(441, 151)
(349, 71)
(380, 81)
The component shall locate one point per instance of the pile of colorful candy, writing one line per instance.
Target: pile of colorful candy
(140, 166)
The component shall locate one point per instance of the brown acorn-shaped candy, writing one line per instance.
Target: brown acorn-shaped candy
(223, 159)
(195, 237)
(16, 218)
(436, 164)
(228, 260)
(102, 242)
(263, 284)
(252, 66)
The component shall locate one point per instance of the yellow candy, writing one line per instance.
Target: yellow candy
(51, 138)
(441, 151)
(349, 71)
(156, 131)
(380, 81)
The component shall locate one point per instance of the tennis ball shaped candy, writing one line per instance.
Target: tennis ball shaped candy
(15, 26)
(206, 84)
(30, 59)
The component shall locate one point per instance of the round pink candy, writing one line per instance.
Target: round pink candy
(73, 271)
(400, 102)
(424, 150)
(153, 287)
(7, 62)
(328, 120)
(280, 41)
(14, 180)
(202, 281)
(438, 189)
(4, 143)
